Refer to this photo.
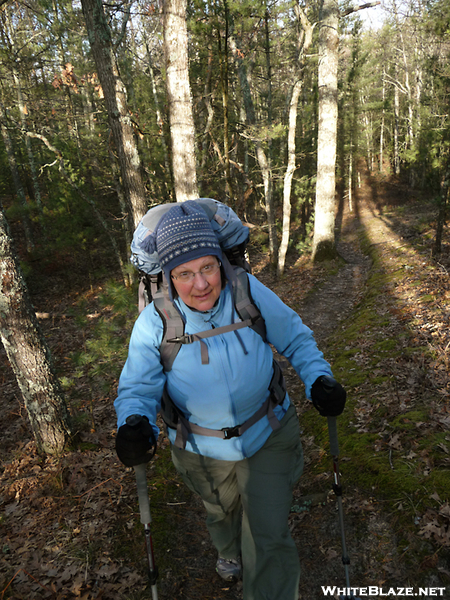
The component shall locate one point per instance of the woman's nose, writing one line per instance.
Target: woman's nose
(200, 281)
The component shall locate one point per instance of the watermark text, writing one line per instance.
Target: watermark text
(373, 591)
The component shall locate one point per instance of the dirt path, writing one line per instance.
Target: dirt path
(332, 303)
(370, 542)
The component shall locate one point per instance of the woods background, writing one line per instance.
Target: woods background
(70, 173)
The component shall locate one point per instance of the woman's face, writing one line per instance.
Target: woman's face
(203, 289)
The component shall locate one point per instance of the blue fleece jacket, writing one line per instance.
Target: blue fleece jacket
(230, 389)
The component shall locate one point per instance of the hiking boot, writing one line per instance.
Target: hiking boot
(229, 569)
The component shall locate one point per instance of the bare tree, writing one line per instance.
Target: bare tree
(303, 44)
(324, 245)
(116, 104)
(261, 154)
(181, 116)
(29, 355)
(18, 186)
(23, 110)
(324, 240)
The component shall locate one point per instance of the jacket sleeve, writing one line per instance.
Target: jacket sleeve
(142, 380)
(289, 335)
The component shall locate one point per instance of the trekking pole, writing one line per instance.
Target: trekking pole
(146, 519)
(337, 489)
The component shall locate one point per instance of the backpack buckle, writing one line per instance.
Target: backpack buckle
(230, 432)
(183, 339)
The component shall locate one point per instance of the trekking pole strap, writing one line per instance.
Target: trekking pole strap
(142, 490)
(332, 432)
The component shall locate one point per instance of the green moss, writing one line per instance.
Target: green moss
(427, 298)
(406, 475)
(88, 446)
(389, 345)
(438, 482)
(407, 421)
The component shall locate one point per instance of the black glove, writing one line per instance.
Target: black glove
(135, 440)
(328, 396)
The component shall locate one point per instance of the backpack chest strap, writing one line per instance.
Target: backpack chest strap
(174, 336)
(190, 338)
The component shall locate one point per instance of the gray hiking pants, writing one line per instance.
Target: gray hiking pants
(247, 504)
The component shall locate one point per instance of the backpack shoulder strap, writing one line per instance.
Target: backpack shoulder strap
(173, 328)
(244, 303)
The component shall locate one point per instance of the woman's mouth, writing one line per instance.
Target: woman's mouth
(203, 296)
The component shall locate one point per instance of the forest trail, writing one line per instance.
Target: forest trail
(67, 523)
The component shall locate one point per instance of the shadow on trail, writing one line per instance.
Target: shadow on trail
(388, 199)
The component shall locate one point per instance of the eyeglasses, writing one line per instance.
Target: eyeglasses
(206, 271)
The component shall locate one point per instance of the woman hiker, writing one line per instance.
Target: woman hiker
(239, 445)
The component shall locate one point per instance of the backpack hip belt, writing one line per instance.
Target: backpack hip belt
(184, 427)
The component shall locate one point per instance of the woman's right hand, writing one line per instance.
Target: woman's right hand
(135, 440)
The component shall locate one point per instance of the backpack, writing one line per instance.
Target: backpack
(233, 237)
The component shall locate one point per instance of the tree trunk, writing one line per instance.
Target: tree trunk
(223, 61)
(32, 163)
(168, 185)
(261, 156)
(28, 354)
(350, 174)
(396, 125)
(116, 104)
(324, 246)
(369, 136)
(304, 43)
(207, 121)
(288, 177)
(381, 165)
(442, 214)
(181, 116)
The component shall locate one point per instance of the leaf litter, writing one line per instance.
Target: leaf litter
(70, 525)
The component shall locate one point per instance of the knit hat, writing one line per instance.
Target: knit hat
(183, 233)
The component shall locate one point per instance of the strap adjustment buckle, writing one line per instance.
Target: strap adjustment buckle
(230, 432)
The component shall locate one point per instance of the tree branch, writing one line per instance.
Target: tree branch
(125, 20)
(350, 10)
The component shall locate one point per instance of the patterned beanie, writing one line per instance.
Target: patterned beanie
(184, 233)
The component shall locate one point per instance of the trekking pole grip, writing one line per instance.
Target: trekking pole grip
(332, 432)
(142, 490)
